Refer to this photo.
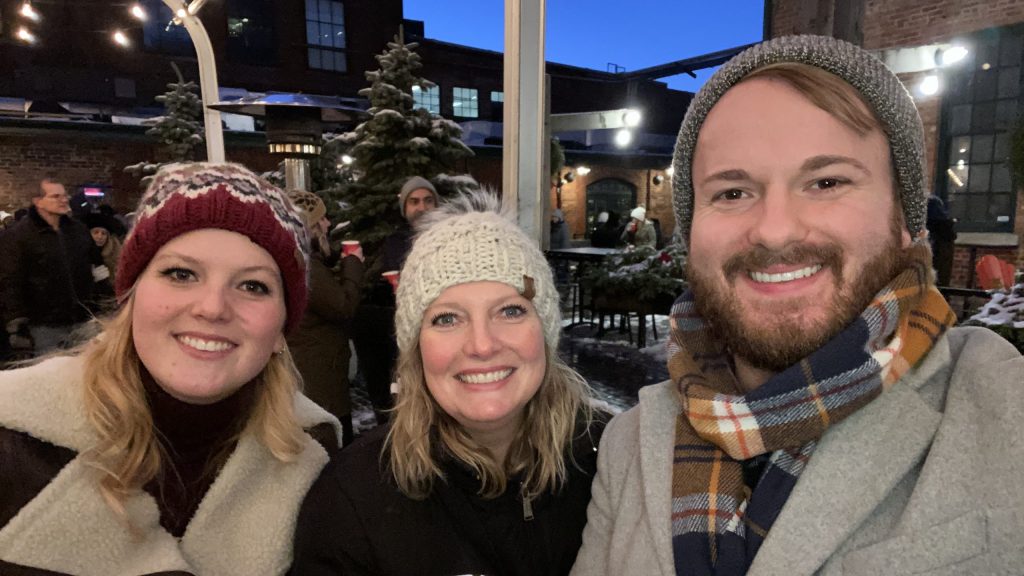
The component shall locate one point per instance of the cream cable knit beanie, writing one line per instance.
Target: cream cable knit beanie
(467, 240)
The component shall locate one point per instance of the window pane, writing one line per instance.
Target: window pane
(960, 119)
(960, 87)
(1006, 114)
(312, 32)
(977, 207)
(1009, 53)
(1002, 148)
(959, 149)
(1009, 82)
(340, 62)
(314, 58)
(325, 11)
(339, 36)
(958, 208)
(984, 117)
(1001, 178)
(980, 177)
(987, 55)
(337, 13)
(310, 9)
(985, 86)
(982, 149)
(999, 208)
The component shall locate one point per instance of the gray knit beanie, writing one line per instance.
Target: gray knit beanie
(467, 240)
(410, 186)
(877, 85)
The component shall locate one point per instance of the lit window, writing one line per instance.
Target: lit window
(429, 98)
(464, 103)
(325, 35)
(497, 96)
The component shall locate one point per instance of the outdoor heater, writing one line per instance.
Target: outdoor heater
(294, 126)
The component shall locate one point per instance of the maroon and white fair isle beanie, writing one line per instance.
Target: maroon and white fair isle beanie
(195, 196)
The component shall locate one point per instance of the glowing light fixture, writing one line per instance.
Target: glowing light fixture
(29, 12)
(25, 36)
(623, 138)
(347, 160)
(582, 170)
(670, 171)
(929, 85)
(631, 118)
(953, 55)
(121, 40)
(139, 12)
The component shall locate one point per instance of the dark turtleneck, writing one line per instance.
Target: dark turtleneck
(197, 439)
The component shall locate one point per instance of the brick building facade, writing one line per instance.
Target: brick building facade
(992, 32)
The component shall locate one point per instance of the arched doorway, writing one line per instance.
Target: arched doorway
(609, 195)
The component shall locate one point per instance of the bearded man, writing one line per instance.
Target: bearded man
(823, 415)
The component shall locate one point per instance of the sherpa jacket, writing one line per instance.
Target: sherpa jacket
(926, 479)
(243, 526)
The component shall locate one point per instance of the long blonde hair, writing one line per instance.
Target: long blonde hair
(559, 410)
(128, 452)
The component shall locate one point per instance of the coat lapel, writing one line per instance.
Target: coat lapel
(657, 433)
(855, 466)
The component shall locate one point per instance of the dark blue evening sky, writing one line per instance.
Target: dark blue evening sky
(592, 33)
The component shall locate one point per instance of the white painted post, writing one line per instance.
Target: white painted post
(524, 148)
(208, 86)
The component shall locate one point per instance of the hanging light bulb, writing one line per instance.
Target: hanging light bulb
(29, 12)
(25, 36)
(139, 12)
(121, 40)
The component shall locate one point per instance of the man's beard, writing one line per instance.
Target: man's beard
(788, 339)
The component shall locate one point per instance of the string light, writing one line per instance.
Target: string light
(139, 12)
(25, 36)
(120, 39)
(29, 12)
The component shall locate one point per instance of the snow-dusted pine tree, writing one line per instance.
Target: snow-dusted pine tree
(179, 130)
(398, 141)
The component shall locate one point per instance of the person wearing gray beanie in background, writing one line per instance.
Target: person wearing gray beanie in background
(823, 415)
(486, 464)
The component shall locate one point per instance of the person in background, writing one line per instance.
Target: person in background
(320, 345)
(640, 231)
(46, 273)
(374, 335)
(942, 237)
(176, 441)
(607, 234)
(486, 464)
(823, 415)
(559, 230)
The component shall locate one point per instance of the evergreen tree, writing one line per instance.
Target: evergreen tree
(397, 142)
(179, 131)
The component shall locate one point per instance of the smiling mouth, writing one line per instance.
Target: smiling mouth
(765, 278)
(484, 377)
(205, 345)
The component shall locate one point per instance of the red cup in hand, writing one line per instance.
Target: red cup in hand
(392, 277)
(351, 248)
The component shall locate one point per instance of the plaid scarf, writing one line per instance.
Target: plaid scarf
(738, 456)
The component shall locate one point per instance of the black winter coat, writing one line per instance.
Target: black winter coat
(46, 275)
(355, 521)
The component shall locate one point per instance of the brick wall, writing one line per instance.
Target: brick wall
(75, 158)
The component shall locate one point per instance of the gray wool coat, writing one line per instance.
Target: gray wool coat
(926, 479)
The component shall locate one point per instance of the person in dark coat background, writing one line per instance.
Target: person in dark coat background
(320, 345)
(45, 273)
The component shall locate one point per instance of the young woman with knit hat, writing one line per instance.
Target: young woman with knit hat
(176, 440)
(486, 464)
(320, 345)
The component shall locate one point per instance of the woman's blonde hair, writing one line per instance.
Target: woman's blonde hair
(128, 452)
(421, 432)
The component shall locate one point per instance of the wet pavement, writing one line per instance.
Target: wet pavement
(613, 366)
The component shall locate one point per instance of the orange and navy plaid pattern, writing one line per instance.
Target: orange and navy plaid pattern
(719, 518)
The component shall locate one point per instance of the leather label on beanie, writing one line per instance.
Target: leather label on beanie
(528, 290)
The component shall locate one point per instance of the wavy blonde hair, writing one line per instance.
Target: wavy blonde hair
(559, 410)
(127, 452)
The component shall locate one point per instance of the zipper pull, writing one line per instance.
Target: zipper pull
(527, 507)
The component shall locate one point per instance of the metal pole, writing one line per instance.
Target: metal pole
(524, 149)
(208, 86)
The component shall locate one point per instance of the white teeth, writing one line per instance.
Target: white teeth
(205, 345)
(485, 377)
(785, 276)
